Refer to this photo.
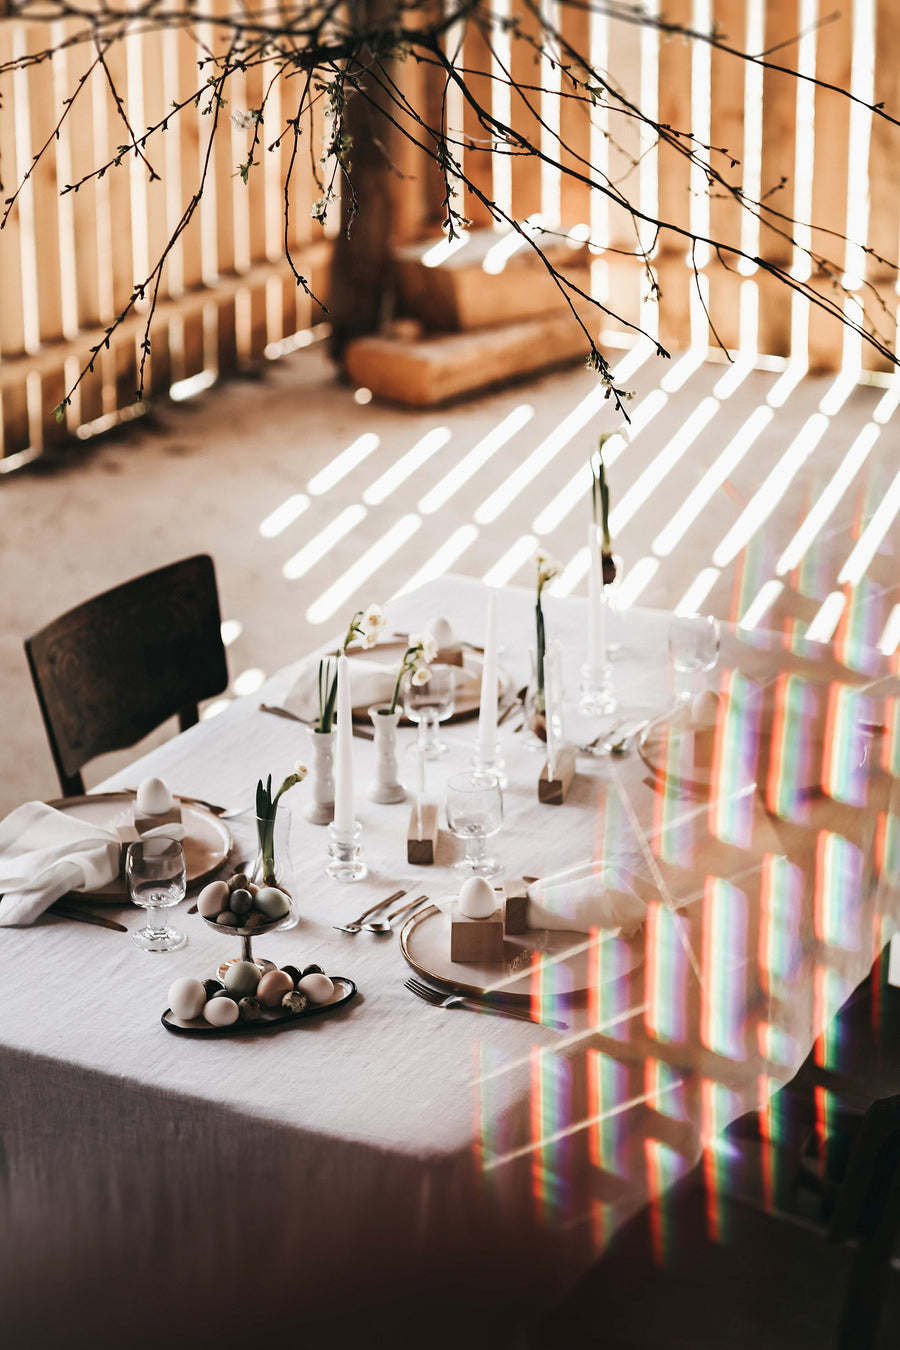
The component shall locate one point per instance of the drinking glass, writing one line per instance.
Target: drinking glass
(155, 873)
(430, 704)
(474, 812)
(693, 648)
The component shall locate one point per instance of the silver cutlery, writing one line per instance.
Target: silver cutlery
(438, 999)
(359, 729)
(355, 926)
(74, 911)
(385, 925)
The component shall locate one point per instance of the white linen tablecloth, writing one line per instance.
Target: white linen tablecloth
(465, 1168)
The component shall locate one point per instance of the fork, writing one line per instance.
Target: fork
(438, 999)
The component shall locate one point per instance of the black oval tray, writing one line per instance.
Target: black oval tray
(344, 990)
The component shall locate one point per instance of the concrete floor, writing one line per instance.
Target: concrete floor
(208, 474)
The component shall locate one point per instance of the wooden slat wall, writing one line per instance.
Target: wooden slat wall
(786, 325)
(68, 264)
(227, 291)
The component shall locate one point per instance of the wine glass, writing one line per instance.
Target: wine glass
(693, 648)
(430, 704)
(474, 812)
(156, 877)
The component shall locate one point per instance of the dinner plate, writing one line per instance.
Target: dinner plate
(207, 839)
(344, 990)
(468, 687)
(542, 963)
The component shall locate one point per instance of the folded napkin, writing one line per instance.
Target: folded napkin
(584, 897)
(370, 682)
(45, 853)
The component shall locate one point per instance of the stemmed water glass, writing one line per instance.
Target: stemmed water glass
(156, 876)
(430, 704)
(693, 649)
(474, 812)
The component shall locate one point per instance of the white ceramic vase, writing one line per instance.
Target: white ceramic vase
(321, 777)
(386, 787)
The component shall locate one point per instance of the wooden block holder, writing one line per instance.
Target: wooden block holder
(477, 941)
(144, 822)
(516, 908)
(552, 791)
(422, 846)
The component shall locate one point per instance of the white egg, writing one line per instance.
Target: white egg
(477, 898)
(153, 797)
(221, 1012)
(442, 631)
(186, 999)
(213, 899)
(317, 988)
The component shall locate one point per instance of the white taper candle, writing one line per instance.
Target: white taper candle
(596, 612)
(487, 716)
(344, 814)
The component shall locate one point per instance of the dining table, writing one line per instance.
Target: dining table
(395, 1173)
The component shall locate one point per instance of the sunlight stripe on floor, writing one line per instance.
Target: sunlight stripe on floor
(575, 570)
(872, 536)
(320, 544)
(664, 462)
(826, 619)
(406, 465)
(344, 463)
(767, 497)
(576, 490)
(284, 515)
(365, 566)
(890, 638)
(475, 459)
(494, 505)
(514, 558)
(698, 590)
(711, 481)
(443, 559)
(636, 581)
(760, 605)
(828, 499)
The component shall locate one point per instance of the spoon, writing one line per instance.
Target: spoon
(356, 925)
(382, 926)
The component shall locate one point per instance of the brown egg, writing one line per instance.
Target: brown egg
(272, 988)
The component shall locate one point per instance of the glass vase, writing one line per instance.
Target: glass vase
(273, 866)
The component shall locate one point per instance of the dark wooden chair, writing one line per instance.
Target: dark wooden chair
(116, 667)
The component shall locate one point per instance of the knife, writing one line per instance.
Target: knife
(70, 911)
(363, 732)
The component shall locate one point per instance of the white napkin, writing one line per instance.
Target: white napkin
(45, 853)
(582, 898)
(370, 682)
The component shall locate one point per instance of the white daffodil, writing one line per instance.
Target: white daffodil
(421, 675)
(429, 648)
(371, 625)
